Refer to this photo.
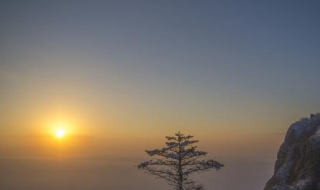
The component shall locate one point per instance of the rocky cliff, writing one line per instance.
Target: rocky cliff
(298, 160)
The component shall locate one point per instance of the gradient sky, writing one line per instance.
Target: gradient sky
(235, 74)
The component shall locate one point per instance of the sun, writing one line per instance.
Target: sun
(60, 132)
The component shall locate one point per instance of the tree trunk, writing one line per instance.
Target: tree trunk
(180, 172)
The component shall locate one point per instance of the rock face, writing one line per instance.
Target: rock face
(298, 160)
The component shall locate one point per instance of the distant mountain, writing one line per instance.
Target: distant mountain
(298, 161)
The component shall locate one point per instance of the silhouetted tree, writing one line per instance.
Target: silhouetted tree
(177, 161)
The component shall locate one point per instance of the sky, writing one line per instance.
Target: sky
(121, 75)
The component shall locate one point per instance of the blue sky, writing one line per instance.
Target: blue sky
(218, 57)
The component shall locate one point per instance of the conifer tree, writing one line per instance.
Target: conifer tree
(177, 161)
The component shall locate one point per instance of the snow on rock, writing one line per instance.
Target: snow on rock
(298, 160)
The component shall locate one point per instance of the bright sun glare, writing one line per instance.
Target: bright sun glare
(60, 132)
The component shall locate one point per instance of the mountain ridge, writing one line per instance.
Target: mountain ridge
(298, 159)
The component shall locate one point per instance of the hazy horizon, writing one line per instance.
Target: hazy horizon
(96, 163)
(119, 76)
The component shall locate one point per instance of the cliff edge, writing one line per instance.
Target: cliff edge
(298, 160)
